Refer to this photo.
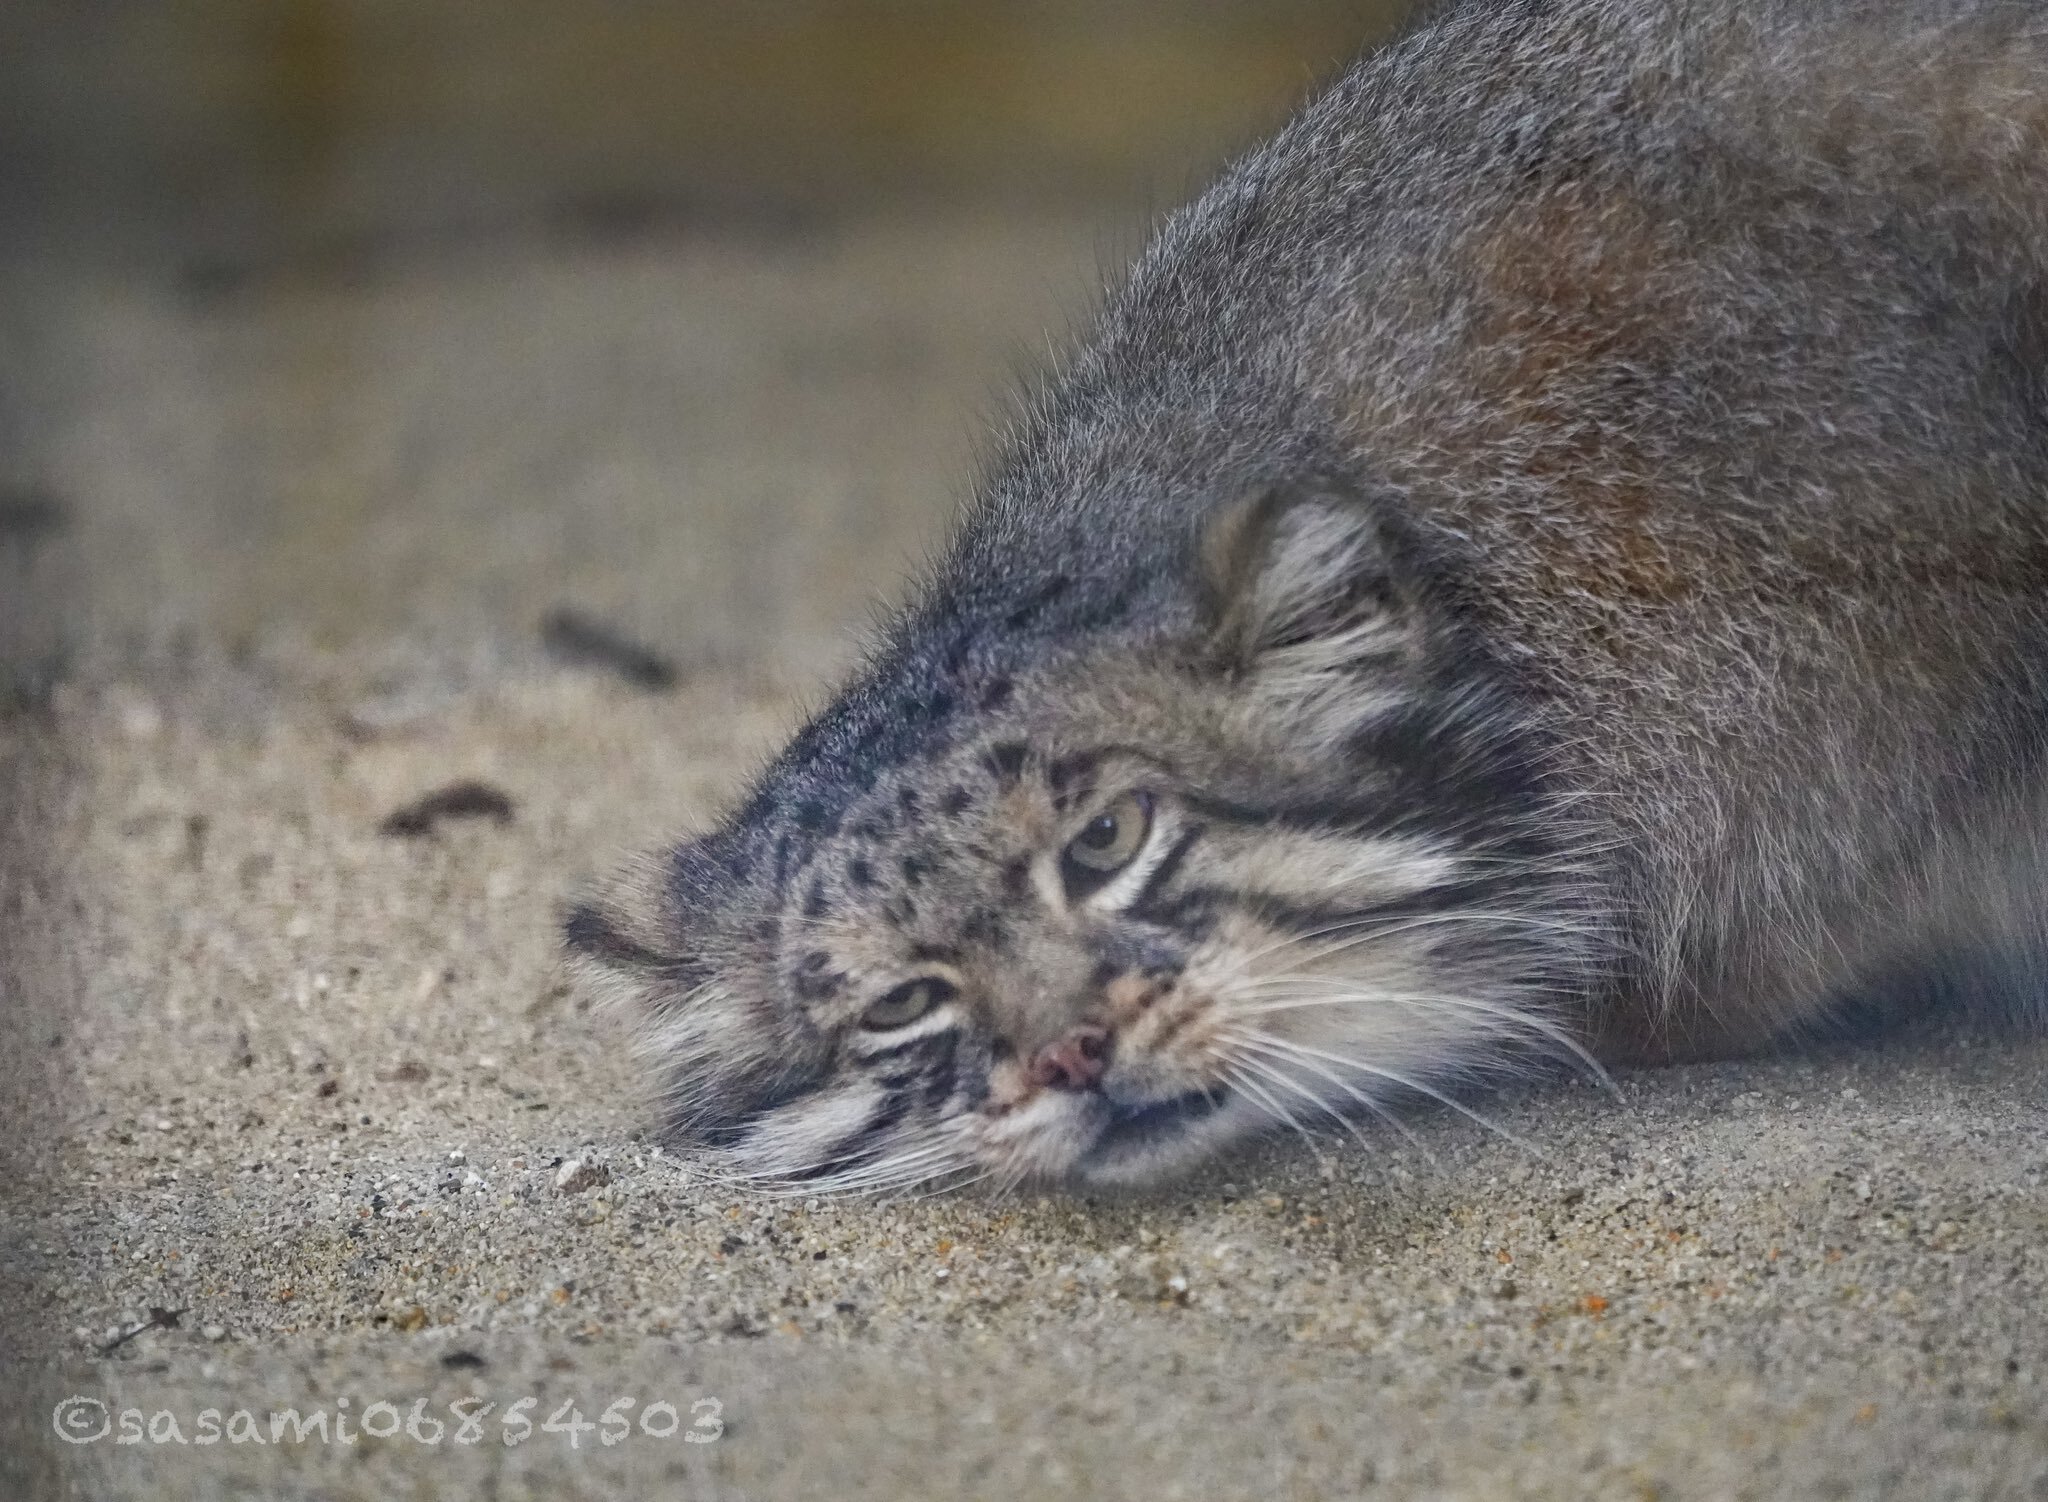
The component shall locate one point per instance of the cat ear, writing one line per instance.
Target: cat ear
(1299, 587)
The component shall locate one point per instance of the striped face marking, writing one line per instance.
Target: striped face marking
(1124, 907)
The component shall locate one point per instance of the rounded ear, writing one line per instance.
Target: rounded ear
(1299, 578)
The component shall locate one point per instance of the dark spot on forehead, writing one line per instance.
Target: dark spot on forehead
(984, 926)
(1005, 760)
(956, 801)
(818, 985)
(908, 801)
(873, 827)
(861, 871)
(816, 960)
(914, 869)
(900, 911)
(812, 816)
(943, 954)
(997, 694)
(1017, 878)
(1073, 775)
(814, 900)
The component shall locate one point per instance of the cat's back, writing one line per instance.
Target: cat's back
(1705, 343)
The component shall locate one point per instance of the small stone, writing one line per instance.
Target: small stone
(213, 1332)
(575, 1176)
(458, 1156)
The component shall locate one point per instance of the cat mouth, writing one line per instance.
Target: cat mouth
(1130, 1127)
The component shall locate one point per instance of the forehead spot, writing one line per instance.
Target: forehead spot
(1017, 879)
(997, 694)
(818, 985)
(914, 868)
(908, 801)
(956, 801)
(1073, 776)
(983, 926)
(814, 900)
(1005, 760)
(861, 871)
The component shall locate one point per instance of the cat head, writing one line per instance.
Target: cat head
(1060, 891)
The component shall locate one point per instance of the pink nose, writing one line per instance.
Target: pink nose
(1073, 1062)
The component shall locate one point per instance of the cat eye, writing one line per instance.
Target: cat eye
(1107, 843)
(907, 1003)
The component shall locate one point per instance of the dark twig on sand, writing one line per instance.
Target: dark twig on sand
(575, 638)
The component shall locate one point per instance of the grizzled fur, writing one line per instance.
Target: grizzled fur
(1555, 544)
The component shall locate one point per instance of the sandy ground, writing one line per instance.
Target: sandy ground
(318, 1092)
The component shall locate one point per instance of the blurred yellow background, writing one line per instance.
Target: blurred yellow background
(259, 121)
(371, 330)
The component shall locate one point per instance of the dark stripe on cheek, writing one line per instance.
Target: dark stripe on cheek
(858, 1146)
(1191, 914)
(1309, 917)
(1169, 866)
(938, 1081)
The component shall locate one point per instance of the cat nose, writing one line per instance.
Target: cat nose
(1074, 1061)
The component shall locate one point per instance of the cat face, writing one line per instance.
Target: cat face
(1130, 902)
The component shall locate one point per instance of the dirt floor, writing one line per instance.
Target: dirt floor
(305, 1118)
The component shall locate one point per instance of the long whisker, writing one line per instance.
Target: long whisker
(1295, 1087)
(1262, 1044)
(1407, 1083)
(1263, 1098)
(1302, 993)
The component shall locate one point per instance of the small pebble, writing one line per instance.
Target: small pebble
(575, 1176)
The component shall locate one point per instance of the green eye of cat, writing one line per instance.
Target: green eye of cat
(906, 1003)
(1108, 842)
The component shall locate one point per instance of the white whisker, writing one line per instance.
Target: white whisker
(1304, 1052)
(1260, 1042)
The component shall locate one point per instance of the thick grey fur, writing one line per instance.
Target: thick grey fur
(1689, 360)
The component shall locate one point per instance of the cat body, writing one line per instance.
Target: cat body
(1548, 553)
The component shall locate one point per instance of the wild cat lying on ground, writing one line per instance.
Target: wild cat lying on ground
(1548, 554)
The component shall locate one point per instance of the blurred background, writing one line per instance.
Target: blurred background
(358, 336)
